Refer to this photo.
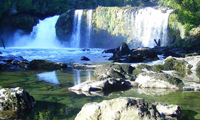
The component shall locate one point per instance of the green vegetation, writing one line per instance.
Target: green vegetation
(185, 18)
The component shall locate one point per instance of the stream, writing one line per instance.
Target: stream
(50, 88)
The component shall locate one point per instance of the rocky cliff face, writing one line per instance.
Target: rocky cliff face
(113, 25)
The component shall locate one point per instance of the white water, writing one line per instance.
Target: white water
(150, 24)
(76, 35)
(42, 36)
(89, 27)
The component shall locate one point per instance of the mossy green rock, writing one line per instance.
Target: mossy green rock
(174, 64)
(158, 80)
(46, 65)
(114, 71)
(15, 99)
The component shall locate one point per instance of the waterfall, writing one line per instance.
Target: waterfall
(89, 27)
(42, 36)
(76, 35)
(150, 24)
(138, 27)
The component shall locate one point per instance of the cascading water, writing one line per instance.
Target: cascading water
(76, 35)
(150, 24)
(42, 36)
(89, 23)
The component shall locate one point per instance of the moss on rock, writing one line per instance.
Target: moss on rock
(174, 64)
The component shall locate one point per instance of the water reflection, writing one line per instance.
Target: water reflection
(48, 77)
(78, 76)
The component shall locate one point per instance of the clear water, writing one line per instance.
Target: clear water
(66, 55)
(56, 102)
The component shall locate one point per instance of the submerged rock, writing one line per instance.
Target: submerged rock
(15, 99)
(127, 108)
(158, 80)
(1, 53)
(46, 65)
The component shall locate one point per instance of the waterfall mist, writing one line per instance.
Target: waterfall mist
(42, 36)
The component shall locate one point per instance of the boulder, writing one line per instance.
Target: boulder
(122, 50)
(171, 63)
(15, 99)
(114, 71)
(191, 86)
(85, 58)
(85, 49)
(11, 62)
(103, 85)
(158, 80)
(124, 108)
(46, 65)
(169, 110)
(141, 55)
(64, 25)
(119, 52)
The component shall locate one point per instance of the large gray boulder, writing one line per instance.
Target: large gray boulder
(158, 80)
(15, 99)
(114, 71)
(103, 85)
(127, 108)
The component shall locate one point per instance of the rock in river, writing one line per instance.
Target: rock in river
(15, 99)
(103, 85)
(127, 108)
(158, 80)
(46, 65)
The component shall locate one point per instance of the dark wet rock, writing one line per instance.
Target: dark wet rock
(170, 51)
(64, 25)
(118, 53)
(110, 84)
(84, 66)
(85, 58)
(158, 80)
(85, 49)
(122, 50)
(127, 108)
(142, 55)
(11, 62)
(125, 55)
(46, 65)
(114, 71)
(15, 99)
